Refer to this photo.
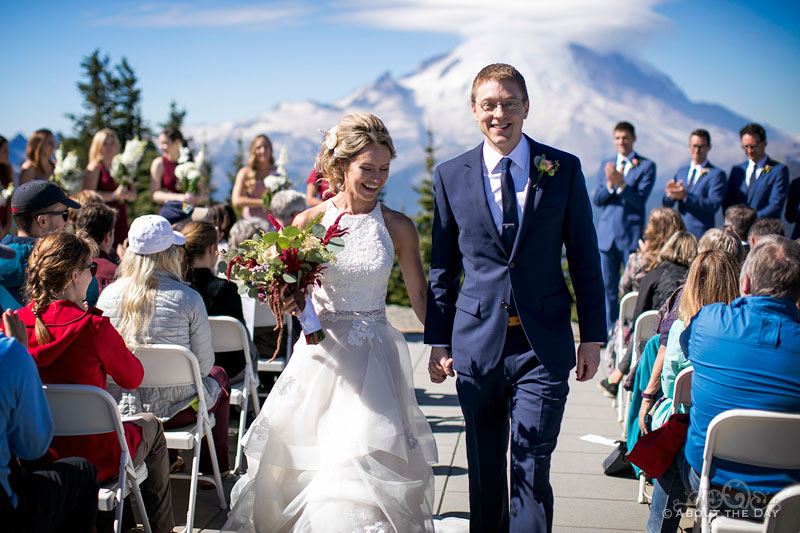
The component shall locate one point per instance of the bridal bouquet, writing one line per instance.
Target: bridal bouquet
(279, 181)
(124, 165)
(190, 173)
(5, 194)
(67, 173)
(283, 262)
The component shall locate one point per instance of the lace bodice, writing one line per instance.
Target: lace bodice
(356, 282)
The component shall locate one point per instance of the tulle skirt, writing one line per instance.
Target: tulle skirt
(340, 444)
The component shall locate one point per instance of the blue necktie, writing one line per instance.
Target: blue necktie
(692, 174)
(510, 219)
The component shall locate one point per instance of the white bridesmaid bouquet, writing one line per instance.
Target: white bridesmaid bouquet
(278, 181)
(124, 165)
(67, 173)
(190, 173)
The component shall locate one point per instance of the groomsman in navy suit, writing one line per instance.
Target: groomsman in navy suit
(696, 191)
(760, 182)
(624, 183)
(502, 214)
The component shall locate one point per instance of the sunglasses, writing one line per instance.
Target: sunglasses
(92, 268)
(64, 214)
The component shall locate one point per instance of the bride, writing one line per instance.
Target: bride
(340, 444)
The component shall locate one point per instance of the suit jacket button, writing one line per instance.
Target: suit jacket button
(504, 305)
(511, 265)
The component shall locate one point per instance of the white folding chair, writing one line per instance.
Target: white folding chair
(644, 328)
(169, 365)
(228, 335)
(682, 394)
(258, 314)
(626, 308)
(89, 410)
(765, 439)
(783, 511)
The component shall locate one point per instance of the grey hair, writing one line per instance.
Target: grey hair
(721, 239)
(246, 229)
(285, 204)
(773, 267)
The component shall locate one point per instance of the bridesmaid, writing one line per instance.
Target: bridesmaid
(163, 183)
(39, 154)
(105, 145)
(249, 184)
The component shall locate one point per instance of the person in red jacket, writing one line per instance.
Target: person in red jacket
(71, 343)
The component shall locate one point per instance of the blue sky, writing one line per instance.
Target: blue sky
(234, 62)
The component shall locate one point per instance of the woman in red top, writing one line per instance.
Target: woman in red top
(248, 187)
(317, 189)
(73, 344)
(163, 183)
(105, 145)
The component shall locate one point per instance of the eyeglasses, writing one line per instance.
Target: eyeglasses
(92, 268)
(748, 147)
(698, 146)
(509, 106)
(64, 214)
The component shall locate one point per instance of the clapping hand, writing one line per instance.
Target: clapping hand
(613, 176)
(675, 190)
(440, 364)
(14, 327)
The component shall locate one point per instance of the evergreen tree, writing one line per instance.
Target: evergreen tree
(127, 117)
(175, 118)
(396, 291)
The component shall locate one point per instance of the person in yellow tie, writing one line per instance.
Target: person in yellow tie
(624, 183)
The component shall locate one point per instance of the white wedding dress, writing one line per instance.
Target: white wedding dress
(340, 444)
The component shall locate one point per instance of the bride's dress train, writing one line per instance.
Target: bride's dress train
(340, 444)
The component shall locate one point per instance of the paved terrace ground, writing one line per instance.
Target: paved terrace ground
(586, 500)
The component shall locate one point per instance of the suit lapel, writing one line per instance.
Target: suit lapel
(474, 184)
(754, 185)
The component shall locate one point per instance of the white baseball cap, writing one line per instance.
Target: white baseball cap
(150, 234)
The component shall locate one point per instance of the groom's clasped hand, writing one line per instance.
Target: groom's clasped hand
(440, 364)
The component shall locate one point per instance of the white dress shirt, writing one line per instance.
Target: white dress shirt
(753, 169)
(493, 178)
(697, 169)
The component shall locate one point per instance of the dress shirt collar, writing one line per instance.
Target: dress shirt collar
(760, 164)
(627, 159)
(520, 155)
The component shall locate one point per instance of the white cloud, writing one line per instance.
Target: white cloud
(165, 15)
(614, 24)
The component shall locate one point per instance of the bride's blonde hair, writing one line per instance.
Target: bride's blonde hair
(345, 141)
(137, 304)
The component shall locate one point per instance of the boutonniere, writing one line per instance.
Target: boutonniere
(767, 169)
(703, 172)
(635, 162)
(544, 166)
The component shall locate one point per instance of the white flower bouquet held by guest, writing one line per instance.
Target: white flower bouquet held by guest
(289, 261)
(189, 172)
(67, 173)
(124, 165)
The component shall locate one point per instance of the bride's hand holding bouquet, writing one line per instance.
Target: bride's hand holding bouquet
(284, 265)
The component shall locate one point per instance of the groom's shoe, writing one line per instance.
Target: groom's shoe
(609, 389)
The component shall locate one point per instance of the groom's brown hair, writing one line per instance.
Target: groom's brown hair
(499, 72)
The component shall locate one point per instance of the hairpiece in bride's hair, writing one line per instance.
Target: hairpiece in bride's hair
(331, 137)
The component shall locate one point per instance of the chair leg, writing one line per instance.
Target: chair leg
(642, 497)
(137, 494)
(193, 482)
(119, 497)
(215, 465)
(254, 395)
(237, 464)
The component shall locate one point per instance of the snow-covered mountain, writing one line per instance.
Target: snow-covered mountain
(577, 95)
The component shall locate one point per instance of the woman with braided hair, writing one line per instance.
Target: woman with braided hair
(75, 344)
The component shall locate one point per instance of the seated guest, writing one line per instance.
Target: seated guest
(713, 277)
(61, 496)
(97, 220)
(738, 219)
(222, 215)
(750, 346)
(763, 227)
(150, 304)
(661, 225)
(39, 207)
(180, 213)
(72, 344)
(674, 259)
(286, 205)
(221, 297)
(247, 229)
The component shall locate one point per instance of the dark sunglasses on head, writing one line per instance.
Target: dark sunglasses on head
(64, 213)
(93, 268)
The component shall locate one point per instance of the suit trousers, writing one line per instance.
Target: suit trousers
(612, 261)
(523, 398)
(61, 496)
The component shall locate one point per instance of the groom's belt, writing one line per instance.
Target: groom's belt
(513, 321)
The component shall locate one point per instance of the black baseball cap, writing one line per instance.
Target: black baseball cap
(176, 211)
(37, 195)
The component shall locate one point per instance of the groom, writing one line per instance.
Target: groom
(502, 212)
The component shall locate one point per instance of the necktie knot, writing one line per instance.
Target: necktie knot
(505, 164)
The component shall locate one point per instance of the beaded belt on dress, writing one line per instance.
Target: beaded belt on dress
(369, 316)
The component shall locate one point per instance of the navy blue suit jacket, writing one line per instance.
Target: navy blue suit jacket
(767, 196)
(470, 316)
(703, 198)
(622, 215)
